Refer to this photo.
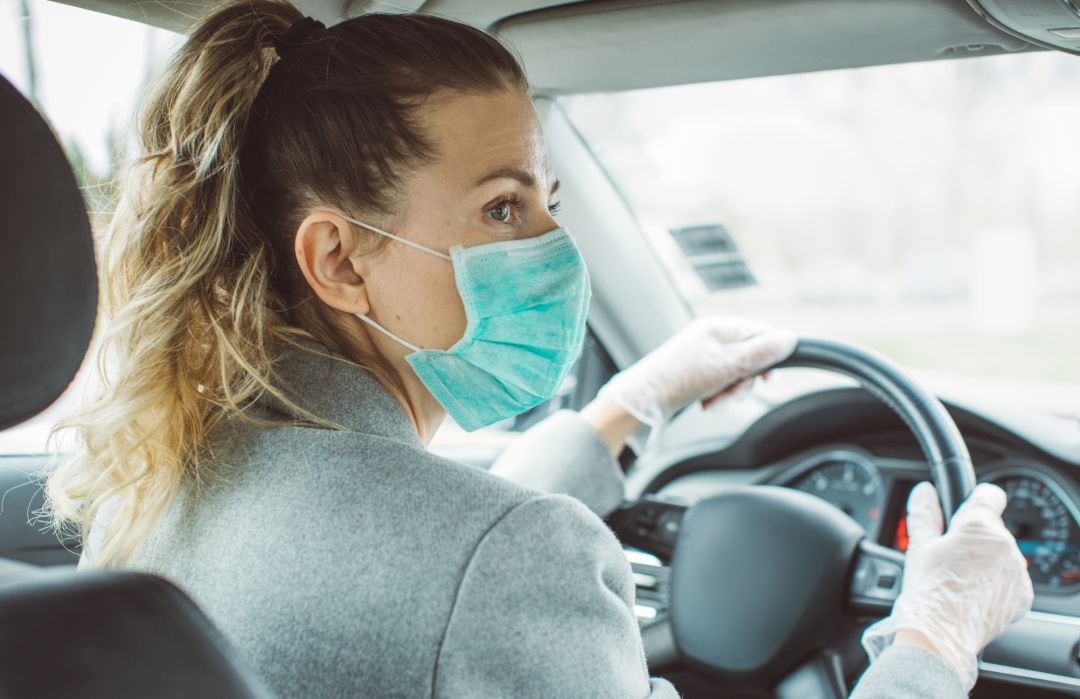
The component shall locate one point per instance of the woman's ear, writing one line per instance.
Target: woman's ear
(326, 249)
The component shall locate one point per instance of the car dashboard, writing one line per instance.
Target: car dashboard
(846, 448)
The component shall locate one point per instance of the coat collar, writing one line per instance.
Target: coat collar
(333, 387)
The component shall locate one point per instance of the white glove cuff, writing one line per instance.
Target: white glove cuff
(641, 438)
(880, 635)
(651, 415)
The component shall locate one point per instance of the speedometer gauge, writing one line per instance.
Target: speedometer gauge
(850, 482)
(1044, 519)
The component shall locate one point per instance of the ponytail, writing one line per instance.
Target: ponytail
(180, 342)
(200, 288)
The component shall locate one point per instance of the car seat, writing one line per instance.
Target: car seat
(65, 633)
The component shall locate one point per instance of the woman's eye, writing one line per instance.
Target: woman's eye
(554, 207)
(500, 212)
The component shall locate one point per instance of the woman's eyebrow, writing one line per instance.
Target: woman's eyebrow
(515, 174)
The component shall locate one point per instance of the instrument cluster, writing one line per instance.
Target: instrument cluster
(1043, 510)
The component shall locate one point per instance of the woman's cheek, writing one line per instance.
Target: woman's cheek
(447, 320)
(423, 299)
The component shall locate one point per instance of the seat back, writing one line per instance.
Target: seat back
(105, 635)
(64, 633)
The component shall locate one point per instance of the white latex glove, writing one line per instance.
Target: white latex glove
(961, 589)
(708, 357)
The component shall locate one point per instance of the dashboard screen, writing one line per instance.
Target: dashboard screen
(899, 506)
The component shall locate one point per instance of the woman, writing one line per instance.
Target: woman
(335, 238)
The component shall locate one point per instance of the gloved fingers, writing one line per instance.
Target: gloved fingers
(985, 498)
(702, 361)
(760, 352)
(1024, 598)
(739, 387)
(924, 518)
(729, 329)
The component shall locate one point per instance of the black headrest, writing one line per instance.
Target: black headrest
(99, 635)
(48, 280)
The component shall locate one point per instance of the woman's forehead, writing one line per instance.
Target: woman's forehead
(483, 136)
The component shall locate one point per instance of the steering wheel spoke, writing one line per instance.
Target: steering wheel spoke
(649, 524)
(875, 581)
(821, 677)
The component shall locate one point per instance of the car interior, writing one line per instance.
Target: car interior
(775, 610)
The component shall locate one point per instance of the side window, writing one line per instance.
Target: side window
(84, 71)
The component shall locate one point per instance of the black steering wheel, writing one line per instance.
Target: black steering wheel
(763, 578)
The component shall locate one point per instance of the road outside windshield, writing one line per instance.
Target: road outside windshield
(929, 210)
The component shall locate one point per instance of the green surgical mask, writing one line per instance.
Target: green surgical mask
(526, 302)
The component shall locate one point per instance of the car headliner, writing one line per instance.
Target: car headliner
(608, 45)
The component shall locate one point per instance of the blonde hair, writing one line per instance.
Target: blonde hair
(199, 288)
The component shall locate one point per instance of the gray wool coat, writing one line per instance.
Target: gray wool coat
(356, 563)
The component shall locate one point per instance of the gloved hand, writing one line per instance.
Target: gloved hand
(709, 357)
(961, 589)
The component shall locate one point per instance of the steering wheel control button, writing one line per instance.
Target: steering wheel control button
(648, 524)
(875, 582)
(669, 523)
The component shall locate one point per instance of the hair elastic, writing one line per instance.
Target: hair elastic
(302, 32)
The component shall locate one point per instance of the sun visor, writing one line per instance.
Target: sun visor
(1053, 24)
(48, 280)
(630, 44)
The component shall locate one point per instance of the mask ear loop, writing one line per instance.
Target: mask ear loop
(389, 334)
(399, 239)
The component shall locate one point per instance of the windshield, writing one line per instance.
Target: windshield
(930, 210)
